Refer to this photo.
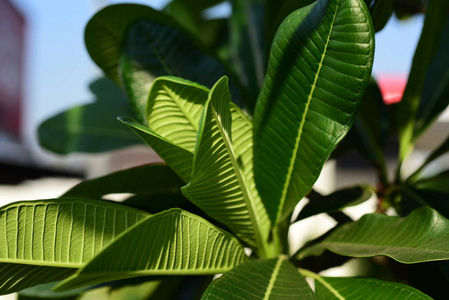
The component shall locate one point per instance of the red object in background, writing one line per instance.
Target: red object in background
(392, 87)
(12, 40)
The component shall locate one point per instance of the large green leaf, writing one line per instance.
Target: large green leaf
(319, 66)
(421, 236)
(152, 49)
(347, 288)
(47, 240)
(181, 243)
(91, 127)
(222, 181)
(273, 278)
(426, 50)
(334, 202)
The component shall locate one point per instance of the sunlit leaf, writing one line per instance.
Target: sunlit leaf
(181, 244)
(319, 66)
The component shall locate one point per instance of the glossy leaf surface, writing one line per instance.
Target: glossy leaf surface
(273, 278)
(421, 236)
(316, 78)
(47, 240)
(330, 288)
(91, 127)
(181, 243)
(222, 180)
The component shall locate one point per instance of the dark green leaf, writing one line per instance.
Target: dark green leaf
(413, 197)
(426, 50)
(421, 236)
(438, 183)
(91, 127)
(315, 82)
(247, 45)
(347, 288)
(381, 12)
(260, 279)
(335, 201)
(147, 179)
(181, 244)
(47, 240)
(45, 291)
(152, 49)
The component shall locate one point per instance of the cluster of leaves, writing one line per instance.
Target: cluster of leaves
(233, 176)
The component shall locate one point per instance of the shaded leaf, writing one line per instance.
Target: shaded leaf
(181, 244)
(91, 127)
(152, 49)
(45, 291)
(146, 179)
(381, 12)
(426, 50)
(315, 81)
(335, 201)
(47, 240)
(222, 183)
(438, 183)
(273, 278)
(421, 236)
(414, 197)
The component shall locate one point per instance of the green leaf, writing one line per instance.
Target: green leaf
(340, 288)
(154, 179)
(222, 180)
(381, 12)
(106, 30)
(45, 291)
(47, 240)
(152, 49)
(421, 236)
(413, 197)
(273, 278)
(320, 64)
(335, 201)
(435, 92)
(91, 127)
(247, 45)
(178, 158)
(181, 244)
(426, 50)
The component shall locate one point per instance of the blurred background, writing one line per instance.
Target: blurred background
(45, 69)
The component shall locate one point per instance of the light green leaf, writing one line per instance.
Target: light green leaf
(181, 243)
(222, 180)
(174, 110)
(178, 158)
(421, 236)
(273, 278)
(426, 50)
(47, 240)
(319, 66)
(347, 288)
(91, 127)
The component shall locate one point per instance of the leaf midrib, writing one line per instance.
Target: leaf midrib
(242, 183)
(301, 125)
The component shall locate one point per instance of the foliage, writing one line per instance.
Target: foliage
(245, 111)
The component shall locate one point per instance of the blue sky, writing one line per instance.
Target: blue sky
(59, 68)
